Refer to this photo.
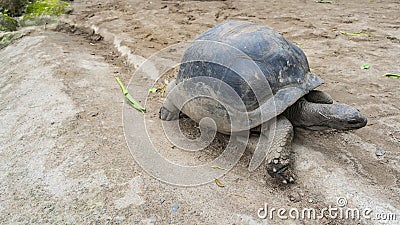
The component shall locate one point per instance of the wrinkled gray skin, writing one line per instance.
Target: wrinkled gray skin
(315, 111)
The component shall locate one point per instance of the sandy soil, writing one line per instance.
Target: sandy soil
(63, 153)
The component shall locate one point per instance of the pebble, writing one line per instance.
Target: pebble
(323, 220)
(175, 208)
(380, 152)
(295, 197)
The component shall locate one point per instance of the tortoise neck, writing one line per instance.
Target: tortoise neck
(314, 116)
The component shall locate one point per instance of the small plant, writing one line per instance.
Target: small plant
(7, 23)
(46, 7)
(13, 8)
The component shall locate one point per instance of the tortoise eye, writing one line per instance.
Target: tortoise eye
(354, 121)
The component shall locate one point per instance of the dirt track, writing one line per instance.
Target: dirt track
(64, 159)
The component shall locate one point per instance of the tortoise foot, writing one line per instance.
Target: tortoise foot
(281, 171)
(168, 115)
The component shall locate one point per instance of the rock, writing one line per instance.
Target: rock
(8, 38)
(175, 208)
(295, 197)
(379, 151)
(38, 21)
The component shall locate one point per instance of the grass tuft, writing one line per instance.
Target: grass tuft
(46, 7)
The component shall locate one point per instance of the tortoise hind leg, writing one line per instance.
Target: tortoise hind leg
(169, 111)
(316, 96)
(275, 147)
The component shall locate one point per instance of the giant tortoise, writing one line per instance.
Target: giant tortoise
(280, 93)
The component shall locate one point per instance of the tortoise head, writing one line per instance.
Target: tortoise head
(317, 116)
(340, 117)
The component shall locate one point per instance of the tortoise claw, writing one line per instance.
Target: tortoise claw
(280, 171)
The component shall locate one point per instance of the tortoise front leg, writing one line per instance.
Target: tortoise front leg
(275, 147)
(169, 111)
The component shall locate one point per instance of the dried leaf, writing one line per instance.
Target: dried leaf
(163, 89)
(237, 195)
(356, 34)
(219, 183)
(218, 167)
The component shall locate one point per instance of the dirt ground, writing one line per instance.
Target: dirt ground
(63, 155)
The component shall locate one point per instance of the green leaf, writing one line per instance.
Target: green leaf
(129, 98)
(356, 34)
(365, 66)
(392, 75)
(153, 90)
